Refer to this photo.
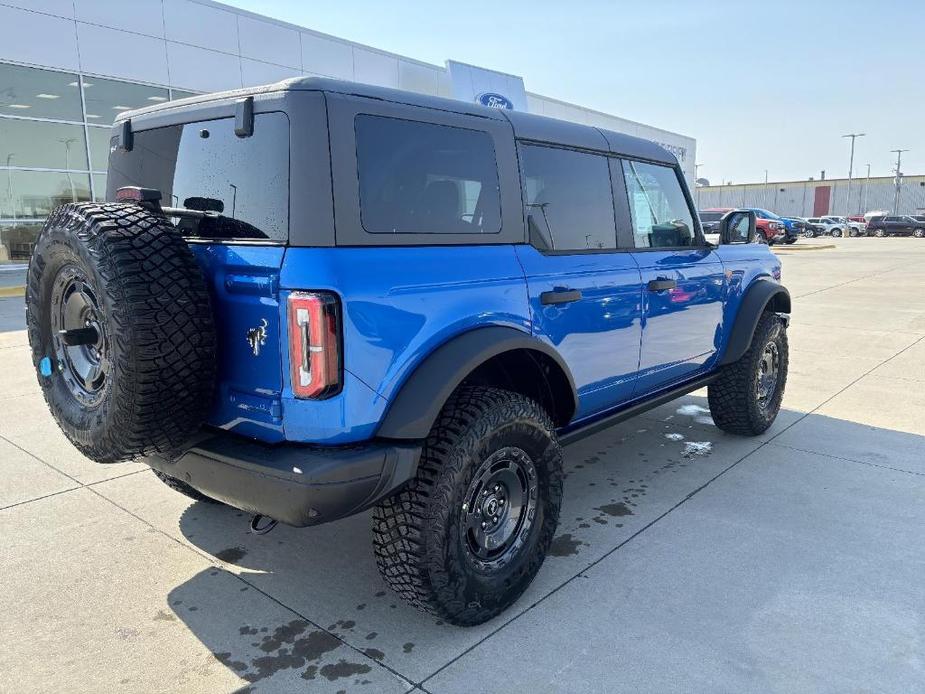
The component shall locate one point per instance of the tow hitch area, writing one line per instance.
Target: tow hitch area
(262, 529)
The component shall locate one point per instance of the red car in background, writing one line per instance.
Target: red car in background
(769, 230)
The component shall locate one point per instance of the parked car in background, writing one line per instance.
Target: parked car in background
(770, 231)
(896, 225)
(709, 220)
(825, 226)
(787, 229)
(813, 227)
(798, 224)
(854, 228)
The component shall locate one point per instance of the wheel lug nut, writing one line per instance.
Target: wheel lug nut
(500, 502)
(484, 525)
(465, 507)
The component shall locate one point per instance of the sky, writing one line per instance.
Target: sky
(760, 85)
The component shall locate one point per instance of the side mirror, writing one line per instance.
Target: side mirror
(738, 226)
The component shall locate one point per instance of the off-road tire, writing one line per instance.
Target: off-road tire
(418, 534)
(156, 322)
(733, 398)
(184, 488)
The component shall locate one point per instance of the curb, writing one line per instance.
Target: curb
(806, 248)
(7, 292)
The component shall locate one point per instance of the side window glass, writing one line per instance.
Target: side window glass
(569, 203)
(423, 178)
(661, 217)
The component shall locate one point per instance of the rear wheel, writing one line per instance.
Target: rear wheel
(466, 536)
(836, 232)
(809, 233)
(747, 395)
(919, 233)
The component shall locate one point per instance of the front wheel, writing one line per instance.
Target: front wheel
(809, 233)
(879, 233)
(747, 395)
(466, 536)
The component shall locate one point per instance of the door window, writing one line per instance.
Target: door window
(661, 216)
(423, 178)
(568, 199)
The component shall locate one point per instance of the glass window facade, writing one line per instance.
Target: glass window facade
(106, 99)
(54, 144)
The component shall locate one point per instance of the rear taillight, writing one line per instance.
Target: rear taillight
(314, 344)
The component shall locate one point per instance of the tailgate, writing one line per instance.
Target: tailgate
(245, 291)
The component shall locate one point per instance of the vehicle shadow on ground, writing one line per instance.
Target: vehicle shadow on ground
(345, 622)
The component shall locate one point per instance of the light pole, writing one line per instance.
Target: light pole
(866, 189)
(853, 137)
(899, 177)
(696, 179)
(9, 185)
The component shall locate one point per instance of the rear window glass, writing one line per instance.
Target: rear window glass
(711, 216)
(422, 178)
(239, 185)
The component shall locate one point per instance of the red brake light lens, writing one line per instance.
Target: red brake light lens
(314, 344)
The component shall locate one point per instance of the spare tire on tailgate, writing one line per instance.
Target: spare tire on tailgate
(121, 328)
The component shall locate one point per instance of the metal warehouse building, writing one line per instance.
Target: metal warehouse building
(816, 198)
(67, 67)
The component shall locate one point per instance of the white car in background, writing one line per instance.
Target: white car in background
(832, 226)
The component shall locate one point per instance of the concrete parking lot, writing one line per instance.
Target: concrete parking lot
(786, 563)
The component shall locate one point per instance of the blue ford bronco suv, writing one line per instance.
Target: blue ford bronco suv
(313, 298)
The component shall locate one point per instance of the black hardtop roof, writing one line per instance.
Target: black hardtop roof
(527, 126)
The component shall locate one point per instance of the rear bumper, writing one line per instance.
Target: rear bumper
(296, 484)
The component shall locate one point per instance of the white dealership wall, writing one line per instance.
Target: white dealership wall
(200, 45)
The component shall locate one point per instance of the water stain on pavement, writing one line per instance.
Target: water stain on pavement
(231, 555)
(564, 546)
(288, 647)
(615, 510)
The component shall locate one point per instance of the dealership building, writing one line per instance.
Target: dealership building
(68, 67)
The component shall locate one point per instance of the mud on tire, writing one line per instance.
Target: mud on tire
(142, 381)
(740, 403)
(426, 548)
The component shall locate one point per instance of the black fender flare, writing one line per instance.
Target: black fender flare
(760, 295)
(411, 414)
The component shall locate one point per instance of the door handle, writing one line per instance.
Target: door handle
(560, 296)
(661, 285)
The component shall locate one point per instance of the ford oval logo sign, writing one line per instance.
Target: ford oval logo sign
(493, 100)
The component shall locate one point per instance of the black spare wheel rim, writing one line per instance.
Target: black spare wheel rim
(767, 377)
(78, 334)
(499, 508)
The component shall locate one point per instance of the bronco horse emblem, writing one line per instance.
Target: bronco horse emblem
(257, 337)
